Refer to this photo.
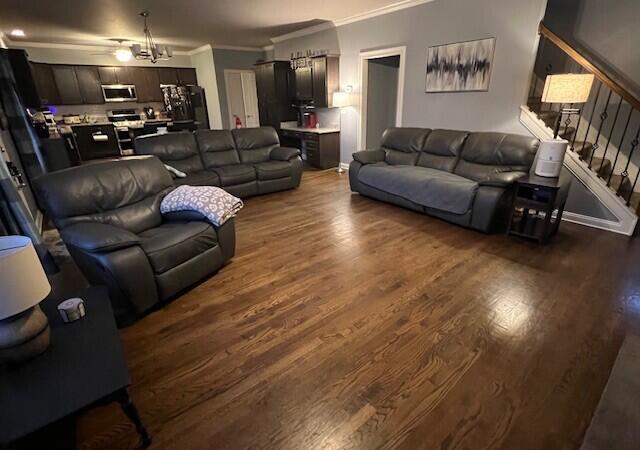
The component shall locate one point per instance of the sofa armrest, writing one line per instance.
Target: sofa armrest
(98, 237)
(370, 156)
(502, 179)
(284, 153)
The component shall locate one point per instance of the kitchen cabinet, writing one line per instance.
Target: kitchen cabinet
(325, 79)
(115, 75)
(67, 83)
(187, 76)
(89, 82)
(147, 83)
(45, 84)
(96, 141)
(304, 84)
(320, 150)
(168, 75)
(274, 101)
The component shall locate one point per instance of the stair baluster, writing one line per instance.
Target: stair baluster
(624, 133)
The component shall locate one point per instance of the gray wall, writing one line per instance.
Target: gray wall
(512, 22)
(606, 31)
(231, 59)
(382, 96)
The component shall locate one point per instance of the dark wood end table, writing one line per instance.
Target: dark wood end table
(535, 201)
(83, 367)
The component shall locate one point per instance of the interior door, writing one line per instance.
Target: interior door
(235, 98)
(250, 99)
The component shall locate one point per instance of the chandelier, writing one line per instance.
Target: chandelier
(151, 51)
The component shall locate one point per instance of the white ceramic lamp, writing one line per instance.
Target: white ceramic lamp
(24, 329)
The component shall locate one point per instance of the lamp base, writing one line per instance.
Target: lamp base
(23, 336)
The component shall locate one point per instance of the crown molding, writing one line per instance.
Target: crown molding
(239, 48)
(202, 48)
(351, 19)
(3, 40)
(87, 47)
(268, 48)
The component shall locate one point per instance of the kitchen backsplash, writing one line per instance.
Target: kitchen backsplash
(99, 111)
(328, 117)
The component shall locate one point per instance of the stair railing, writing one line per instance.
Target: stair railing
(596, 114)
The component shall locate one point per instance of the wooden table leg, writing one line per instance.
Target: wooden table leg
(130, 410)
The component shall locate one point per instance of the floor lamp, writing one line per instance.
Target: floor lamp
(341, 99)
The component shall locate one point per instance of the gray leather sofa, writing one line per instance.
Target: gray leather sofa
(108, 215)
(244, 162)
(459, 176)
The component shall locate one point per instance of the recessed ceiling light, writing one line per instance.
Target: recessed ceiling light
(17, 32)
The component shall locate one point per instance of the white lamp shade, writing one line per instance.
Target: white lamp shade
(567, 88)
(23, 283)
(341, 99)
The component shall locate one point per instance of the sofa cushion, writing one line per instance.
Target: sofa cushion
(179, 150)
(441, 149)
(201, 178)
(235, 174)
(403, 144)
(424, 186)
(255, 144)
(485, 154)
(174, 243)
(272, 170)
(217, 148)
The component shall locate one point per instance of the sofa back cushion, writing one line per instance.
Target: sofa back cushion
(126, 193)
(178, 150)
(403, 144)
(217, 148)
(487, 153)
(441, 149)
(255, 144)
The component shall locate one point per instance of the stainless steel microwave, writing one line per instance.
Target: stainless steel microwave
(119, 93)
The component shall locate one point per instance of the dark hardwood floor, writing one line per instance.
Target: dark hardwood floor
(343, 322)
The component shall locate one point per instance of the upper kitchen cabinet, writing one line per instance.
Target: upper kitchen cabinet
(45, 84)
(274, 101)
(168, 75)
(115, 75)
(187, 76)
(147, 82)
(89, 82)
(325, 79)
(304, 86)
(68, 86)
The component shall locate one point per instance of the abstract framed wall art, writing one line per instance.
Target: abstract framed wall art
(460, 67)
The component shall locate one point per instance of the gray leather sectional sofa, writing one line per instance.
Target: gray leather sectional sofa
(244, 162)
(459, 176)
(108, 215)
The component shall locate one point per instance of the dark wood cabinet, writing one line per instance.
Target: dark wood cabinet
(304, 84)
(274, 101)
(320, 150)
(89, 82)
(168, 75)
(68, 86)
(107, 75)
(45, 84)
(147, 83)
(123, 75)
(326, 79)
(187, 75)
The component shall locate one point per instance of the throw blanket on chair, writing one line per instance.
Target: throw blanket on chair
(216, 204)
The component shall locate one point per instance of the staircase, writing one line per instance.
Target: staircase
(603, 138)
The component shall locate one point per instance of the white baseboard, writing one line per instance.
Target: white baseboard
(595, 222)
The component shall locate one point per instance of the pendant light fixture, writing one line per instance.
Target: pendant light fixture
(151, 51)
(122, 54)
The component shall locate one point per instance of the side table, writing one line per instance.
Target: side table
(535, 201)
(84, 366)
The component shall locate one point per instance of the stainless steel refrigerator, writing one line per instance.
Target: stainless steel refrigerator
(186, 103)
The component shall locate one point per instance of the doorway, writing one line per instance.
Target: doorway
(242, 98)
(382, 81)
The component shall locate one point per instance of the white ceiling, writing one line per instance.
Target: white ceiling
(185, 24)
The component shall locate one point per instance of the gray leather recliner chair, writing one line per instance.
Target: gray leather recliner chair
(109, 217)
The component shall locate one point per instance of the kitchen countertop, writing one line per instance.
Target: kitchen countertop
(293, 126)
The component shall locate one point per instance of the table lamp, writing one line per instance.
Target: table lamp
(567, 88)
(24, 329)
